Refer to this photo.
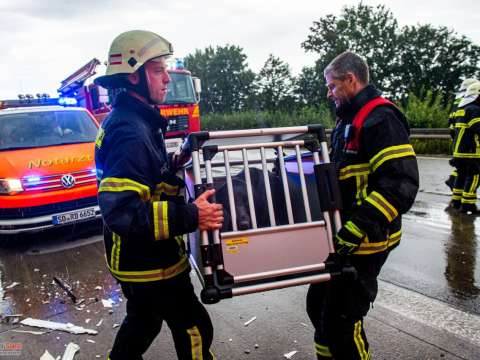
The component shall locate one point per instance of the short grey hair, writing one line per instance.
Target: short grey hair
(348, 62)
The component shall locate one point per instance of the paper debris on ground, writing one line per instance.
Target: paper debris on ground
(304, 324)
(107, 303)
(87, 321)
(13, 319)
(290, 354)
(91, 341)
(250, 321)
(99, 323)
(98, 288)
(46, 356)
(115, 325)
(29, 332)
(57, 326)
(70, 351)
(12, 285)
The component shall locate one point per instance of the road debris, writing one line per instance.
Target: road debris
(12, 285)
(6, 319)
(57, 326)
(250, 321)
(28, 332)
(87, 321)
(98, 287)
(257, 346)
(70, 351)
(303, 324)
(66, 287)
(36, 270)
(115, 325)
(99, 323)
(91, 341)
(107, 303)
(46, 356)
(290, 354)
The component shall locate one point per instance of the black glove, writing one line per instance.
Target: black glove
(348, 239)
(182, 154)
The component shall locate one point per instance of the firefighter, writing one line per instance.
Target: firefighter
(144, 215)
(451, 125)
(466, 151)
(378, 176)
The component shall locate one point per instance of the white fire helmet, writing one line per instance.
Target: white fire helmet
(472, 93)
(463, 87)
(129, 51)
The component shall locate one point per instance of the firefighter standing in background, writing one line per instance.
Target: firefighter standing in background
(466, 151)
(451, 123)
(378, 177)
(144, 215)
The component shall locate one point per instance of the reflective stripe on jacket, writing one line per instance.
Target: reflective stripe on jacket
(466, 142)
(139, 196)
(378, 182)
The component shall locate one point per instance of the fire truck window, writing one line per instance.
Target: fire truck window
(180, 89)
(94, 97)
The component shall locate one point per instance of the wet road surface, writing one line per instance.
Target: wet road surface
(434, 269)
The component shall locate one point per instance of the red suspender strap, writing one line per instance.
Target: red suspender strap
(357, 123)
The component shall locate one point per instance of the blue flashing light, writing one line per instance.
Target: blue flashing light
(67, 101)
(33, 179)
(179, 63)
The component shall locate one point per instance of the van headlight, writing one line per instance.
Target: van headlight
(10, 186)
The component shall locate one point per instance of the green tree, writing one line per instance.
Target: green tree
(310, 88)
(227, 83)
(274, 85)
(371, 32)
(434, 58)
(401, 60)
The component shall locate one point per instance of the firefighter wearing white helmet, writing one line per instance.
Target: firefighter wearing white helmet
(466, 152)
(452, 117)
(145, 217)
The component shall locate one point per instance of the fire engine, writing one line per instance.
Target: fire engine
(180, 107)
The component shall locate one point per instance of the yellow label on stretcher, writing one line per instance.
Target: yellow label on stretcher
(232, 249)
(237, 241)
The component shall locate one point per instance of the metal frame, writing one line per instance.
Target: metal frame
(218, 283)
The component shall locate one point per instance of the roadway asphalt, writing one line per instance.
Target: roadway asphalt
(420, 312)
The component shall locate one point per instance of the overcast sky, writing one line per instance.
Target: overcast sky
(44, 41)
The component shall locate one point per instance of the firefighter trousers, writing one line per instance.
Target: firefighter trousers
(466, 184)
(172, 301)
(337, 308)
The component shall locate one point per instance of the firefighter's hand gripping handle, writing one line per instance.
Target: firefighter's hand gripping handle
(210, 215)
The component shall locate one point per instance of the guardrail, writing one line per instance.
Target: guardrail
(417, 133)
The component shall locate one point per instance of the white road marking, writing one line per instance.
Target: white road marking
(428, 311)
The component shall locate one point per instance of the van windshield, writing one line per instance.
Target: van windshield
(45, 128)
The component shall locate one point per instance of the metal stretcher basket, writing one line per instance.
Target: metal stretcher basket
(289, 243)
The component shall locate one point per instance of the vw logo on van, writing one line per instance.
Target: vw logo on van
(68, 181)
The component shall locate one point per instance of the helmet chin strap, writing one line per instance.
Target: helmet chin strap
(142, 88)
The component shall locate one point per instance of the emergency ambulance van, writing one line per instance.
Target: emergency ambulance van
(47, 168)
